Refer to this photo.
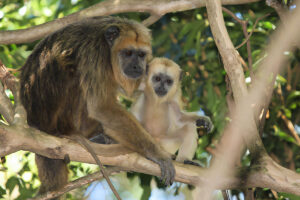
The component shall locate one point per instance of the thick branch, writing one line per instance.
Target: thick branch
(156, 8)
(243, 122)
(276, 178)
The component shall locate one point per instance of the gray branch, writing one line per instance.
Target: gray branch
(109, 7)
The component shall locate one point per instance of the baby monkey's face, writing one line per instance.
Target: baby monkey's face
(162, 84)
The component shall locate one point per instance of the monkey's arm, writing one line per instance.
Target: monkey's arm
(201, 121)
(125, 129)
(137, 107)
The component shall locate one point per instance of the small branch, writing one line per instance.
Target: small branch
(262, 121)
(151, 20)
(6, 107)
(291, 128)
(78, 183)
(244, 24)
(13, 84)
(105, 8)
(250, 34)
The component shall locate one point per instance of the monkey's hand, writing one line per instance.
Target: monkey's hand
(204, 123)
(167, 169)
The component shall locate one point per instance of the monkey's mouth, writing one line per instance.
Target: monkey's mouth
(161, 92)
(133, 73)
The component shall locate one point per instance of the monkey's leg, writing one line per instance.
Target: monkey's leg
(53, 173)
(125, 129)
(189, 144)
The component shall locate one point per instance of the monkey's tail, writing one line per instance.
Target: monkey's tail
(81, 140)
(53, 173)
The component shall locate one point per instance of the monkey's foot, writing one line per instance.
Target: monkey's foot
(167, 170)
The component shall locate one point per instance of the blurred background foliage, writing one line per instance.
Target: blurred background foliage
(186, 38)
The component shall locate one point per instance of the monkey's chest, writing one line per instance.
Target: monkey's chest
(157, 123)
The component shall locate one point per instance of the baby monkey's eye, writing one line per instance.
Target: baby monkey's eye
(169, 81)
(141, 54)
(157, 78)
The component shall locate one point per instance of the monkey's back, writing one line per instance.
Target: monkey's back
(52, 76)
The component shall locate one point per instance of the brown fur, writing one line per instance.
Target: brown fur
(163, 116)
(76, 74)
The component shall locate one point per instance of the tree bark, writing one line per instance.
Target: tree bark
(109, 7)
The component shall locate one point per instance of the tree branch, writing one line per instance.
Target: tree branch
(109, 7)
(78, 183)
(29, 139)
(6, 107)
(12, 83)
(243, 117)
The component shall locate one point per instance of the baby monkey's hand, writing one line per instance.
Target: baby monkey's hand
(204, 123)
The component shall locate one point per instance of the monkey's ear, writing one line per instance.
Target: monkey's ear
(111, 34)
(181, 75)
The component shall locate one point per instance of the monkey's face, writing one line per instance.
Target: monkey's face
(130, 51)
(132, 62)
(163, 78)
(162, 84)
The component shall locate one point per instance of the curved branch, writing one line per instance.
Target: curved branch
(157, 8)
(262, 175)
(243, 124)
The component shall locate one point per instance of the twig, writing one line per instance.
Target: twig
(244, 24)
(250, 34)
(77, 183)
(84, 142)
(291, 128)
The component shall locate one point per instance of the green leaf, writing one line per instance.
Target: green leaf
(293, 94)
(2, 192)
(288, 196)
(280, 79)
(11, 183)
(288, 113)
(283, 135)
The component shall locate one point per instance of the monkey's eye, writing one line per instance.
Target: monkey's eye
(141, 54)
(128, 53)
(157, 78)
(169, 81)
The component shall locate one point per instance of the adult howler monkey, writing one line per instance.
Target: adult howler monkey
(69, 85)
